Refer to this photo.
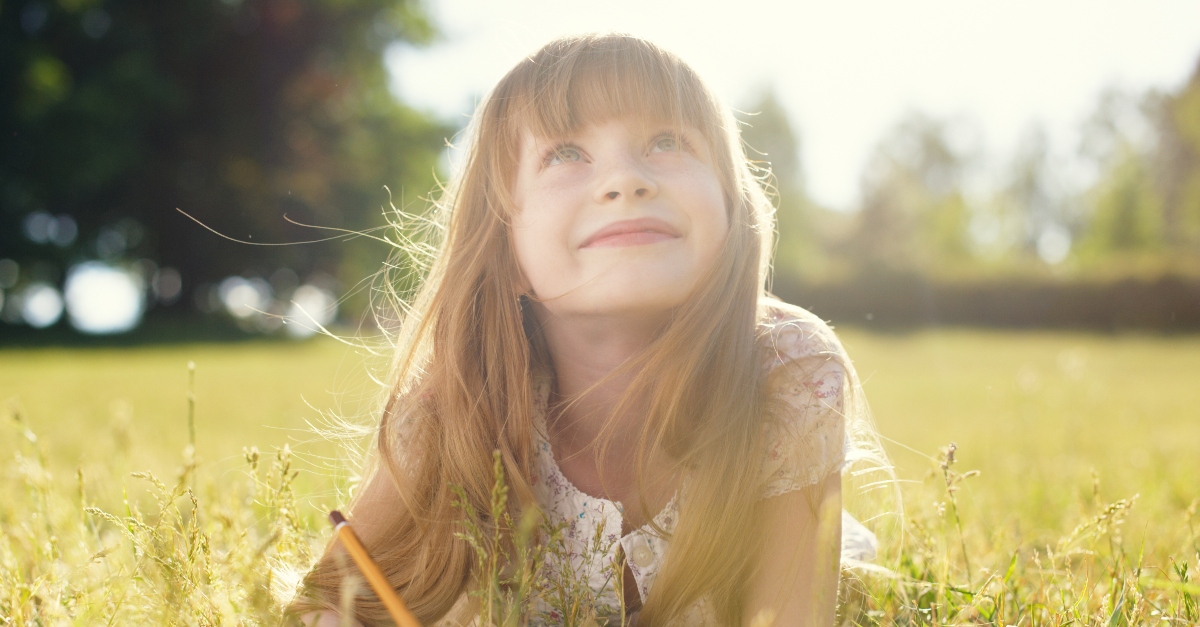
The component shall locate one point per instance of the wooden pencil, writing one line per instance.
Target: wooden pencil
(395, 607)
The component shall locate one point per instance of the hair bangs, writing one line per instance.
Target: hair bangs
(594, 78)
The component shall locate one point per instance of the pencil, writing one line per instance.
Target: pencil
(395, 607)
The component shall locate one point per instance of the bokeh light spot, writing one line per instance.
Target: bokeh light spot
(41, 305)
(311, 308)
(244, 298)
(167, 285)
(102, 299)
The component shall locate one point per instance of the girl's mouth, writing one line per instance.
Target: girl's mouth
(635, 232)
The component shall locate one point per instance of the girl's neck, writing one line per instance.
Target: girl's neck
(585, 351)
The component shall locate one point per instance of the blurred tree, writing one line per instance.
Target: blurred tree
(772, 140)
(116, 112)
(914, 214)
(1124, 212)
(1177, 162)
(1039, 220)
(772, 144)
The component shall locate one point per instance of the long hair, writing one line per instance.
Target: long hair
(462, 380)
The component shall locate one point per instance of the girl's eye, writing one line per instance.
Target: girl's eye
(563, 154)
(667, 143)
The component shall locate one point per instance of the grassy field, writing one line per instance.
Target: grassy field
(1060, 426)
(129, 407)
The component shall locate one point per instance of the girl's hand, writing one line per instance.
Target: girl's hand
(798, 577)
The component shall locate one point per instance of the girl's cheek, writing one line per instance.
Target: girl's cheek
(565, 179)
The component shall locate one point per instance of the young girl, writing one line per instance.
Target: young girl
(597, 313)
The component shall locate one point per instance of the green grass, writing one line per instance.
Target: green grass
(1061, 426)
(1038, 412)
(94, 408)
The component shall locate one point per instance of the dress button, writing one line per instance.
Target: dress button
(643, 556)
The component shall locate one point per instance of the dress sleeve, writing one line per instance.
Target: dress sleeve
(805, 426)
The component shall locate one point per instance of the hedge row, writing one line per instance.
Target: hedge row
(1168, 303)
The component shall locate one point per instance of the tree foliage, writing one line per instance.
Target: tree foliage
(239, 112)
(772, 144)
(934, 204)
(913, 212)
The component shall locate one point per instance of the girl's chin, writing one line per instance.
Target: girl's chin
(635, 305)
(633, 289)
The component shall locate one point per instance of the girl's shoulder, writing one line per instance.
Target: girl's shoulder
(788, 334)
(807, 374)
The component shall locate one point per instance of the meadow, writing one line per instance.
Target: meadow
(1083, 509)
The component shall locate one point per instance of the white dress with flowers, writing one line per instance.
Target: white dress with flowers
(806, 443)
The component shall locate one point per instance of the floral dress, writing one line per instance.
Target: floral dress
(806, 443)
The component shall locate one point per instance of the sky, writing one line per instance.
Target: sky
(846, 71)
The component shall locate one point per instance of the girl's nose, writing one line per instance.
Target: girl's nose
(627, 180)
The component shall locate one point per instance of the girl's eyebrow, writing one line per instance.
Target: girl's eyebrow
(542, 145)
(554, 144)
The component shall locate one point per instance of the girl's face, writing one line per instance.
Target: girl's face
(619, 218)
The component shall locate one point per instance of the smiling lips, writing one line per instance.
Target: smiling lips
(631, 233)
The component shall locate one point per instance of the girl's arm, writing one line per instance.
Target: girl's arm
(378, 495)
(797, 579)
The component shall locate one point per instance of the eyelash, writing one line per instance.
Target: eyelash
(556, 151)
(684, 146)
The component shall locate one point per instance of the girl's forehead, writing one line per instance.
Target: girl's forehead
(562, 115)
(635, 125)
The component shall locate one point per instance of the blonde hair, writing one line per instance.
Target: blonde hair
(462, 377)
